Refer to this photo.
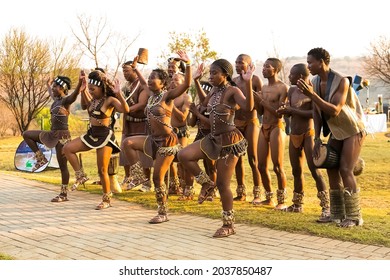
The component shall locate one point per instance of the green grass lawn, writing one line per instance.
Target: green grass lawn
(374, 183)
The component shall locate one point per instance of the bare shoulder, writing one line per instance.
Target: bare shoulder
(187, 97)
(234, 90)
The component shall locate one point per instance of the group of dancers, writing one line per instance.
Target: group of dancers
(157, 112)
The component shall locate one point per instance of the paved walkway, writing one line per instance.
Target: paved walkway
(31, 228)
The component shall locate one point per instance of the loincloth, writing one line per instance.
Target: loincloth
(164, 146)
(134, 126)
(223, 145)
(266, 129)
(298, 140)
(243, 124)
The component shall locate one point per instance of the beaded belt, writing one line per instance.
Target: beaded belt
(131, 119)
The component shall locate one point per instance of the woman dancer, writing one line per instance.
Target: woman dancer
(59, 133)
(100, 98)
(162, 143)
(225, 143)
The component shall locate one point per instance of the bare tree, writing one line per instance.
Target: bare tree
(377, 64)
(7, 120)
(276, 53)
(94, 36)
(99, 43)
(25, 65)
(64, 59)
(121, 45)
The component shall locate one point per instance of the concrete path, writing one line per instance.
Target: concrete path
(33, 228)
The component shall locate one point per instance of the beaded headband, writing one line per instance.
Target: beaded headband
(60, 82)
(95, 82)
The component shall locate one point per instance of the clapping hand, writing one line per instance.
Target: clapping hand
(305, 88)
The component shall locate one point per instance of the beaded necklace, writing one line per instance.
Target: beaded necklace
(153, 101)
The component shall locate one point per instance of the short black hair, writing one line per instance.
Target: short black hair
(181, 66)
(127, 63)
(100, 69)
(320, 53)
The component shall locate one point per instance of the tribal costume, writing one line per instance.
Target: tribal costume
(59, 132)
(99, 136)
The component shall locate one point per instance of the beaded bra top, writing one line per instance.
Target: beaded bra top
(221, 115)
(95, 110)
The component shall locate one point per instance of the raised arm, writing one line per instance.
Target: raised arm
(81, 85)
(198, 74)
(141, 78)
(180, 89)
(119, 103)
(49, 83)
(86, 97)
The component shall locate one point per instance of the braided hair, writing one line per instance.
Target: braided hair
(226, 68)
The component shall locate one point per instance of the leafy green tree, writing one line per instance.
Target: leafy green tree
(43, 119)
(196, 44)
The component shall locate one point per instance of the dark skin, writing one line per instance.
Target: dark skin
(31, 137)
(349, 148)
(272, 96)
(299, 107)
(131, 76)
(233, 96)
(251, 131)
(196, 115)
(154, 86)
(181, 110)
(103, 154)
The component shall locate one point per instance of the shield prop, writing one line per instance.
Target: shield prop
(24, 158)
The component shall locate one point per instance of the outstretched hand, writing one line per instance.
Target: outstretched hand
(183, 56)
(117, 87)
(249, 72)
(49, 81)
(199, 72)
(83, 80)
